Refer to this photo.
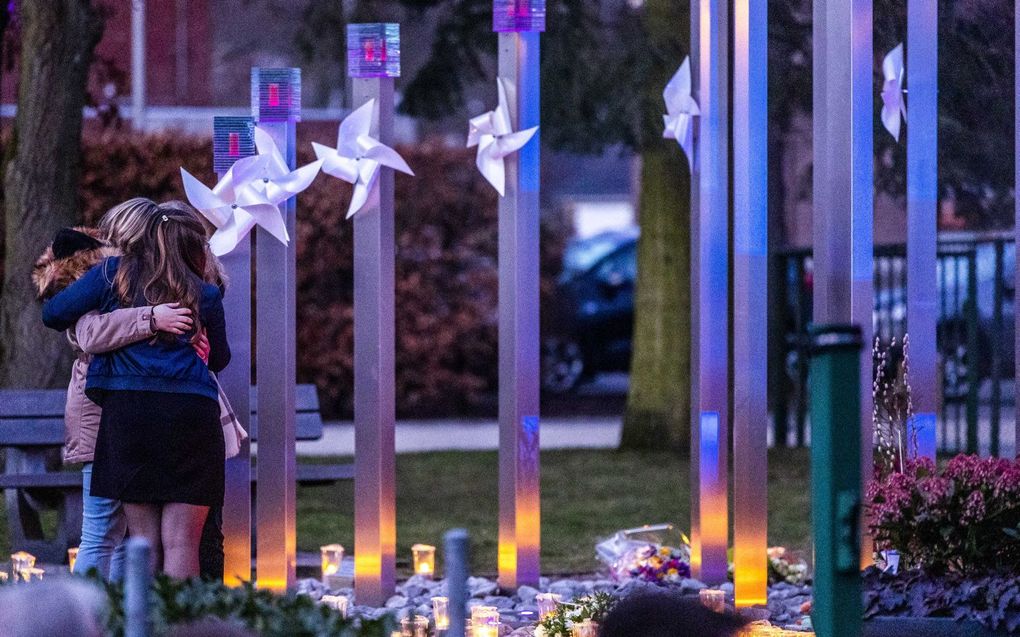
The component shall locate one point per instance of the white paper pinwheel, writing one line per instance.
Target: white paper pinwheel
(893, 105)
(495, 139)
(234, 206)
(358, 156)
(681, 109)
(278, 181)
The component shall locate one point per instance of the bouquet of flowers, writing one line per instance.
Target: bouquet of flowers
(784, 567)
(654, 553)
(560, 623)
(665, 564)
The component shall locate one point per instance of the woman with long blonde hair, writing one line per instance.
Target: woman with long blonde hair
(160, 447)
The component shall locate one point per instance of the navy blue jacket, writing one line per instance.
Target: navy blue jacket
(153, 365)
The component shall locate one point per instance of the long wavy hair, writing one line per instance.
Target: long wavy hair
(125, 223)
(167, 264)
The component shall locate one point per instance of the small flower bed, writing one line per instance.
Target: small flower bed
(964, 518)
(666, 564)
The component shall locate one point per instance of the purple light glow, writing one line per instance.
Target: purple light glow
(373, 50)
(233, 139)
(518, 15)
(276, 94)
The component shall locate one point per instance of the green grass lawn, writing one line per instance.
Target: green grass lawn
(586, 495)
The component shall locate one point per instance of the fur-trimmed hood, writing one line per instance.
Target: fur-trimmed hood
(52, 274)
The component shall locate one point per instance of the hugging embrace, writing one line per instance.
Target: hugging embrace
(141, 301)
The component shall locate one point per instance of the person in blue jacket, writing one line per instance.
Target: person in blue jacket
(160, 445)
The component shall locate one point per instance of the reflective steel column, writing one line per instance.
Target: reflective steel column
(922, 213)
(750, 302)
(233, 139)
(709, 556)
(843, 185)
(519, 489)
(276, 105)
(695, 163)
(375, 524)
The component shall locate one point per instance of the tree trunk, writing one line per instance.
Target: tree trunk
(658, 405)
(40, 177)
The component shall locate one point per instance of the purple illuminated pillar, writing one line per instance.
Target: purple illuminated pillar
(750, 302)
(233, 139)
(519, 23)
(1016, 217)
(276, 105)
(843, 186)
(373, 60)
(708, 551)
(922, 213)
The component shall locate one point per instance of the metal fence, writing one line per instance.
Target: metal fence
(975, 337)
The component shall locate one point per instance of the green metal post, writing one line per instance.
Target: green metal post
(836, 478)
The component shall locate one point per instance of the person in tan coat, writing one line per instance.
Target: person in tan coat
(74, 252)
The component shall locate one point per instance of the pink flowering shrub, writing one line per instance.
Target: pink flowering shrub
(962, 518)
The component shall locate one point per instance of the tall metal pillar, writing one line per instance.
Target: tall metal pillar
(519, 24)
(844, 186)
(709, 556)
(373, 61)
(750, 302)
(695, 162)
(233, 139)
(1016, 215)
(922, 214)
(276, 104)
(138, 64)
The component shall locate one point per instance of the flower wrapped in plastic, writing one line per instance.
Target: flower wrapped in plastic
(654, 553)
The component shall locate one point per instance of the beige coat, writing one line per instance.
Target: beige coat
(99, 333)
(94, 334)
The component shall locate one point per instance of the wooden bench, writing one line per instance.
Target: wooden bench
(33, 480)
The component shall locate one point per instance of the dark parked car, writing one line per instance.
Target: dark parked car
(593, 316)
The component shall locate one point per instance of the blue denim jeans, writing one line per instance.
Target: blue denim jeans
(103, 528)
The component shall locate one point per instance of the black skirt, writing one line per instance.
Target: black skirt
(156, 447)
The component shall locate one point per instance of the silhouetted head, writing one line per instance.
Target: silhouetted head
(668, 615)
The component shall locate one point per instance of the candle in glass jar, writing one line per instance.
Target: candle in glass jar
(424, 556)
(417, 626)
(338, 603)
(484, 621)
(586, 628)
(441, 612)
(72, 557)
(713, 599)
(547, 603)
(33, 573)
(332, 557)
(20, 561)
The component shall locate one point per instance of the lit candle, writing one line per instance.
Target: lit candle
(336, 602)
(441, 612)
(32, 573)
(484, 621)
(72, 557)
(547, 603)
(424, 560)
(332, 557)
(586, 628)
(20, 561)
(414, 627)
(3, 577)
(713, 599)
(373, 50)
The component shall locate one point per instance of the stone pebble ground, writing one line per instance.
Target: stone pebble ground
(519, 611)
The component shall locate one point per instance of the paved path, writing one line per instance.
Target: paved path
(581, 432)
